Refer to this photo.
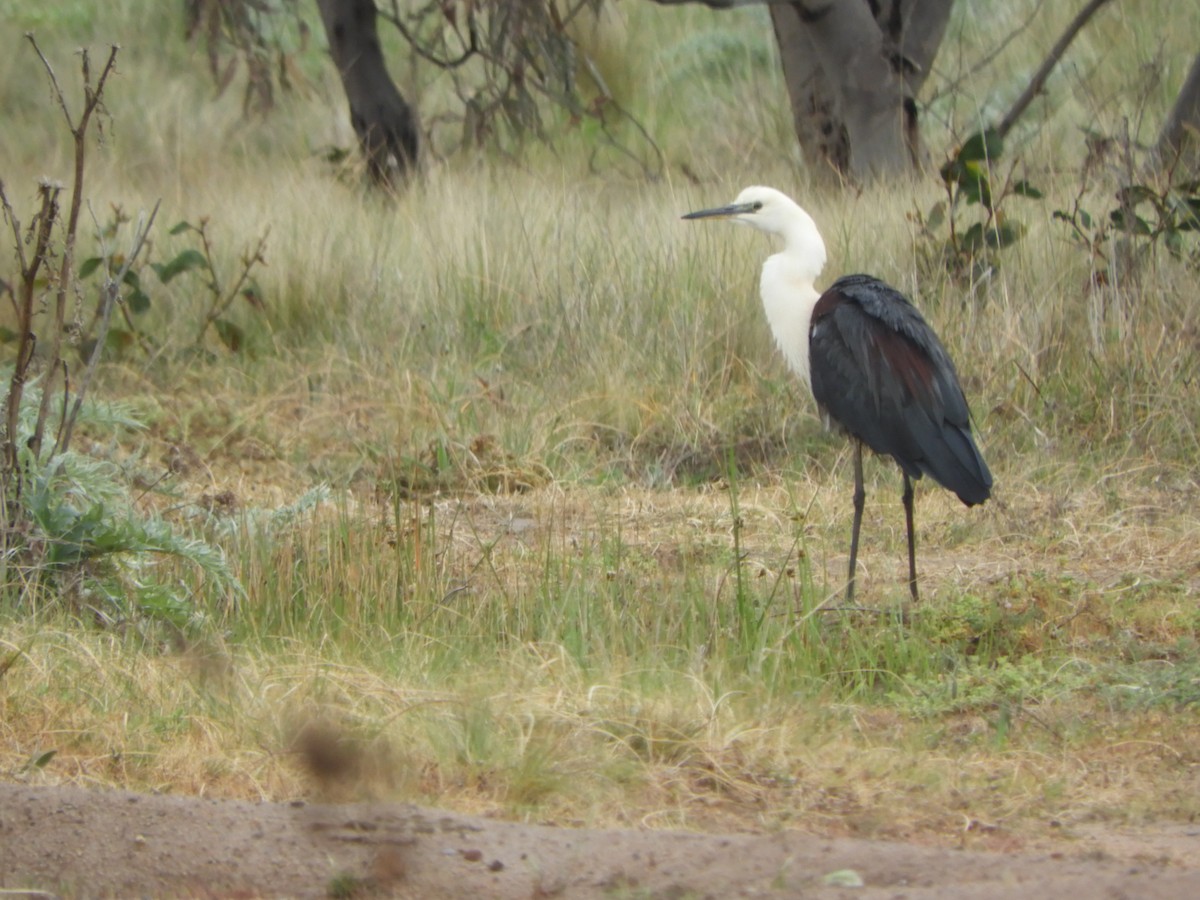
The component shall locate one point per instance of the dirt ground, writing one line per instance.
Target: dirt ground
(72, 842)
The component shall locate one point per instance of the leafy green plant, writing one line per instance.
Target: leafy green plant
(221, 293)
(1156, 683)
(75, 535)
(1144, 216)
(133, 300)
(976, 684)
(976, 223)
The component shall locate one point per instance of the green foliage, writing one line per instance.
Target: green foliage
(347, 886)
(980, 683)
(1169, 683)
(260, 35)
(185, 261)
(1145, 216)
(970, 246)
(970, 624)
(82, 540)
(195, 261)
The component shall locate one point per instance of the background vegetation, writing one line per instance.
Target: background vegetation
(526, 514)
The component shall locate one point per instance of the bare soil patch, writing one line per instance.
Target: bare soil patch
(74, 842)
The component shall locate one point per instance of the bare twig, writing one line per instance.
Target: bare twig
(650, 173)
(15, 224)
(1043, 73)
(44, 221)
(109, 295)
(470, 47)
(58, 94)
(223, 299)
(523, 54)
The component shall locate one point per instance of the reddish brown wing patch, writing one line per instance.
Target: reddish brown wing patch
(904, 360)
(827, 303)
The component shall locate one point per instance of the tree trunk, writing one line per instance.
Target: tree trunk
(1180, 135)
(915, 29)
(853, 69)
(816, 114)
(381, 117)
(850, 50)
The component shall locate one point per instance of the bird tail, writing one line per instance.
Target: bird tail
(960, 467)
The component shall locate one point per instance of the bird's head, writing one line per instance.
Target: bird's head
(769, 210)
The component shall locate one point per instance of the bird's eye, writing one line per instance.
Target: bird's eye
(756, 205)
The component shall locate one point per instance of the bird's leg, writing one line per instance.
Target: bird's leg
(907, 497)
(860, 496)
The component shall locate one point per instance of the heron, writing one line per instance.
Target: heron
(875, 368)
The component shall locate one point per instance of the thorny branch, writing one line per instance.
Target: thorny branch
(93, 98)
(44, 221)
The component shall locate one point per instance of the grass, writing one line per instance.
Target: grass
(531, 519)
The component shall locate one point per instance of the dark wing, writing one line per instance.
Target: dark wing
(881, 373)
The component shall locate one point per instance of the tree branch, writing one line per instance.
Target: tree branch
(470, 48)
(58, 94)
(1043, 74)
(45, 219)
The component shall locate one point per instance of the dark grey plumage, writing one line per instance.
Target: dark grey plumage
(879, 371)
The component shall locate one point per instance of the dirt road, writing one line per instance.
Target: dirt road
(72, 842)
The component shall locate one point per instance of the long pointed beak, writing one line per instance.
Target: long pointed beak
(722, 212)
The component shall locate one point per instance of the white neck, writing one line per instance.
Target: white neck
(803, 246)
(788, 296)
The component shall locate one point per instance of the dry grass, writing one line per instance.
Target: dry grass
(493, 697)
(536, 586)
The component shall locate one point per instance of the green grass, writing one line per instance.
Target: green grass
(531, 518)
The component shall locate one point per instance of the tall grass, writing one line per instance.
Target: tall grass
(572, 522)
